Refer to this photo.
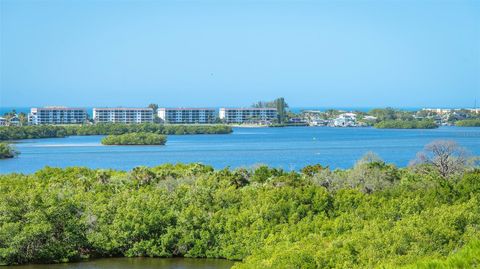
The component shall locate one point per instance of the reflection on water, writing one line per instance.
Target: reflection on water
(66, 145)
(136, 263)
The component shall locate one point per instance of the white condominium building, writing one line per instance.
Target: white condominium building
(243, 115)
(57, 115)
(187, 115)
(122, 115)
(442, 111)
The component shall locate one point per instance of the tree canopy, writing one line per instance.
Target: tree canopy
(135, 139)
(371, 215)
(468, 123)
(406, 124)
(7, 151)
(48, 131)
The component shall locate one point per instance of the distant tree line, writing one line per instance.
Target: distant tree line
(388, 114)
(406, 124)
(468, 123)
(49, 131)
(373, 215)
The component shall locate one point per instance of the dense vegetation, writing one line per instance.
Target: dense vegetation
(467, 257)
(389, 114)
(468, 123)
(46, 131)
(372, 215)
(7, 151)
(406, 124)
(135, 139)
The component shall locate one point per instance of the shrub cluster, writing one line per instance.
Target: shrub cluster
(372, 215)
(7, 151)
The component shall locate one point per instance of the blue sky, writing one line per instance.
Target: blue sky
(231, 53)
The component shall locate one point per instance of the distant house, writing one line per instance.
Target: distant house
(297, 120)
(314, 117)
(345, 120)
(14, 121)
(438, 110)
(319, 122)
(370, 118)
(3, 121)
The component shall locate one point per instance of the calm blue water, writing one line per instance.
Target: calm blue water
(289, 148)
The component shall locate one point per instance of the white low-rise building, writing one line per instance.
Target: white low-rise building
(187, 115)
(123, 115)
(438, 110)
(57, 115)
(248, 115)
(14, 121)
(3, 121)
(345, 120)
(369, 118)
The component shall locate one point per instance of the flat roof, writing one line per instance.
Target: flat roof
(122, 108)
(249, 108)
(185, 108)
(58, 108)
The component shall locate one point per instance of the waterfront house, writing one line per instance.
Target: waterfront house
(13, 121)
(345, 120)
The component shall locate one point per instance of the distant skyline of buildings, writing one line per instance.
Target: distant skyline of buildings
(291, 108)
(180, 115)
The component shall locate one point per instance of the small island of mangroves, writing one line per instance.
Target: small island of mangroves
(135, 139)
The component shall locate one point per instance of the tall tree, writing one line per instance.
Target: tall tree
(281, 106)
(155, 109)
(23, 118)
(446, 156)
